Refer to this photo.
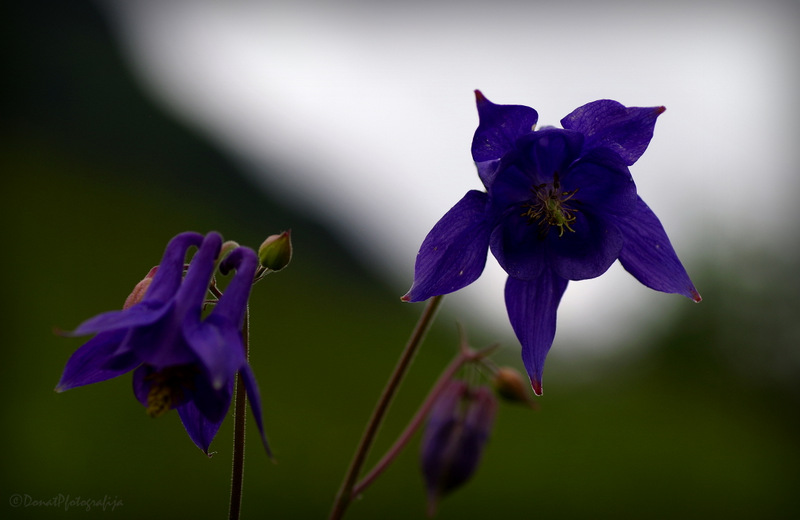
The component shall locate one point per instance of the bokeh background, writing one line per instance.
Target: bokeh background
(653, 408)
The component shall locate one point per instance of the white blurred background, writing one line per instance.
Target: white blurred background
(367, 111)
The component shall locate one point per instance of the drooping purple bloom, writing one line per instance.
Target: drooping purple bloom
(179, 359)
(458, 427)
(560, 204)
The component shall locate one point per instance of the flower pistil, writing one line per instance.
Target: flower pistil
(548, 208)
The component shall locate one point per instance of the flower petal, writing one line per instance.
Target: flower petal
(602, 182)
(143, 313)
(217, 340)
(161, 290)
(648, 254)
(548, 151)
(532, 307)
(200, 429)
(487, 171)
(250, 385)
(587, 252)
(212, 402)
(453, 254)
(439, 437)
(162, 343)
(608, 124)
(517, 247)
(88, 364)
(170, 272)
(499, 128)
(218, 344)
(142, 382)
(233, 303)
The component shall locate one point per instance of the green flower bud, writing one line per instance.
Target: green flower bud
(276, 251)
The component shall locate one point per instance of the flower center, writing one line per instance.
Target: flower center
(548, 207)
(167, 388)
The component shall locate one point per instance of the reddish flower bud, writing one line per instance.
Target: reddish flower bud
(139, 291)
(511, 387)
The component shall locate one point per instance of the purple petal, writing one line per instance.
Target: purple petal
(601, 182)
(478, 422)
(587, 252)
(608, 124)
(88, 364)
(142, 382)
(143, 313)
(251, 386)
(170, 272)
(453, 254)
(487, 171)
(532, 307)
(161, 290)
(439, 435)
(201, 430)
(548, 151)
(162, 343)
(217, 340)
(192, 292)
(517, 247)
(499, 128)
(649, 256)
(218, 344)
(233, 303)
(212, 402)
(456, 432)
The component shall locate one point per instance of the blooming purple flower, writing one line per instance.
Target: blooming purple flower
(179, 360)
(458, 427)
(560, 205)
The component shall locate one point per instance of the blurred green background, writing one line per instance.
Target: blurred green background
(699, 419)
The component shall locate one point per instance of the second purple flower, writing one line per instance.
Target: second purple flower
(560, 204)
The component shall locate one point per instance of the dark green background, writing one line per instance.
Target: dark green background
(697, 420)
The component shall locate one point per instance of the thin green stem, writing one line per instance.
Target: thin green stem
(345, 494)
(239, 415)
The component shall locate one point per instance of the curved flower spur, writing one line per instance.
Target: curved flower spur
(560, 204)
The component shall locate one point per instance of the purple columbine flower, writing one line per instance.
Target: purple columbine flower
(560, 205)
(180, 360)
(456, 432)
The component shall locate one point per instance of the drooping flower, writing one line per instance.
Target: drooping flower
(458, 427)
(179, 359)
(560, 204)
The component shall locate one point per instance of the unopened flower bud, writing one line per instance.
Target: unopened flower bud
(457, 430)
(511, 387)
(139, 291)
(276, 251)
(227, 247)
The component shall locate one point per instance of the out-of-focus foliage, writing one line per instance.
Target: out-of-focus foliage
(701, 422)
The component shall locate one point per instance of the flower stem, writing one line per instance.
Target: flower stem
(239, 415)
(414, 424)
(345, 494)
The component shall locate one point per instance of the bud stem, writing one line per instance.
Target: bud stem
(239, 415)
(415, 422)
(345, 494)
